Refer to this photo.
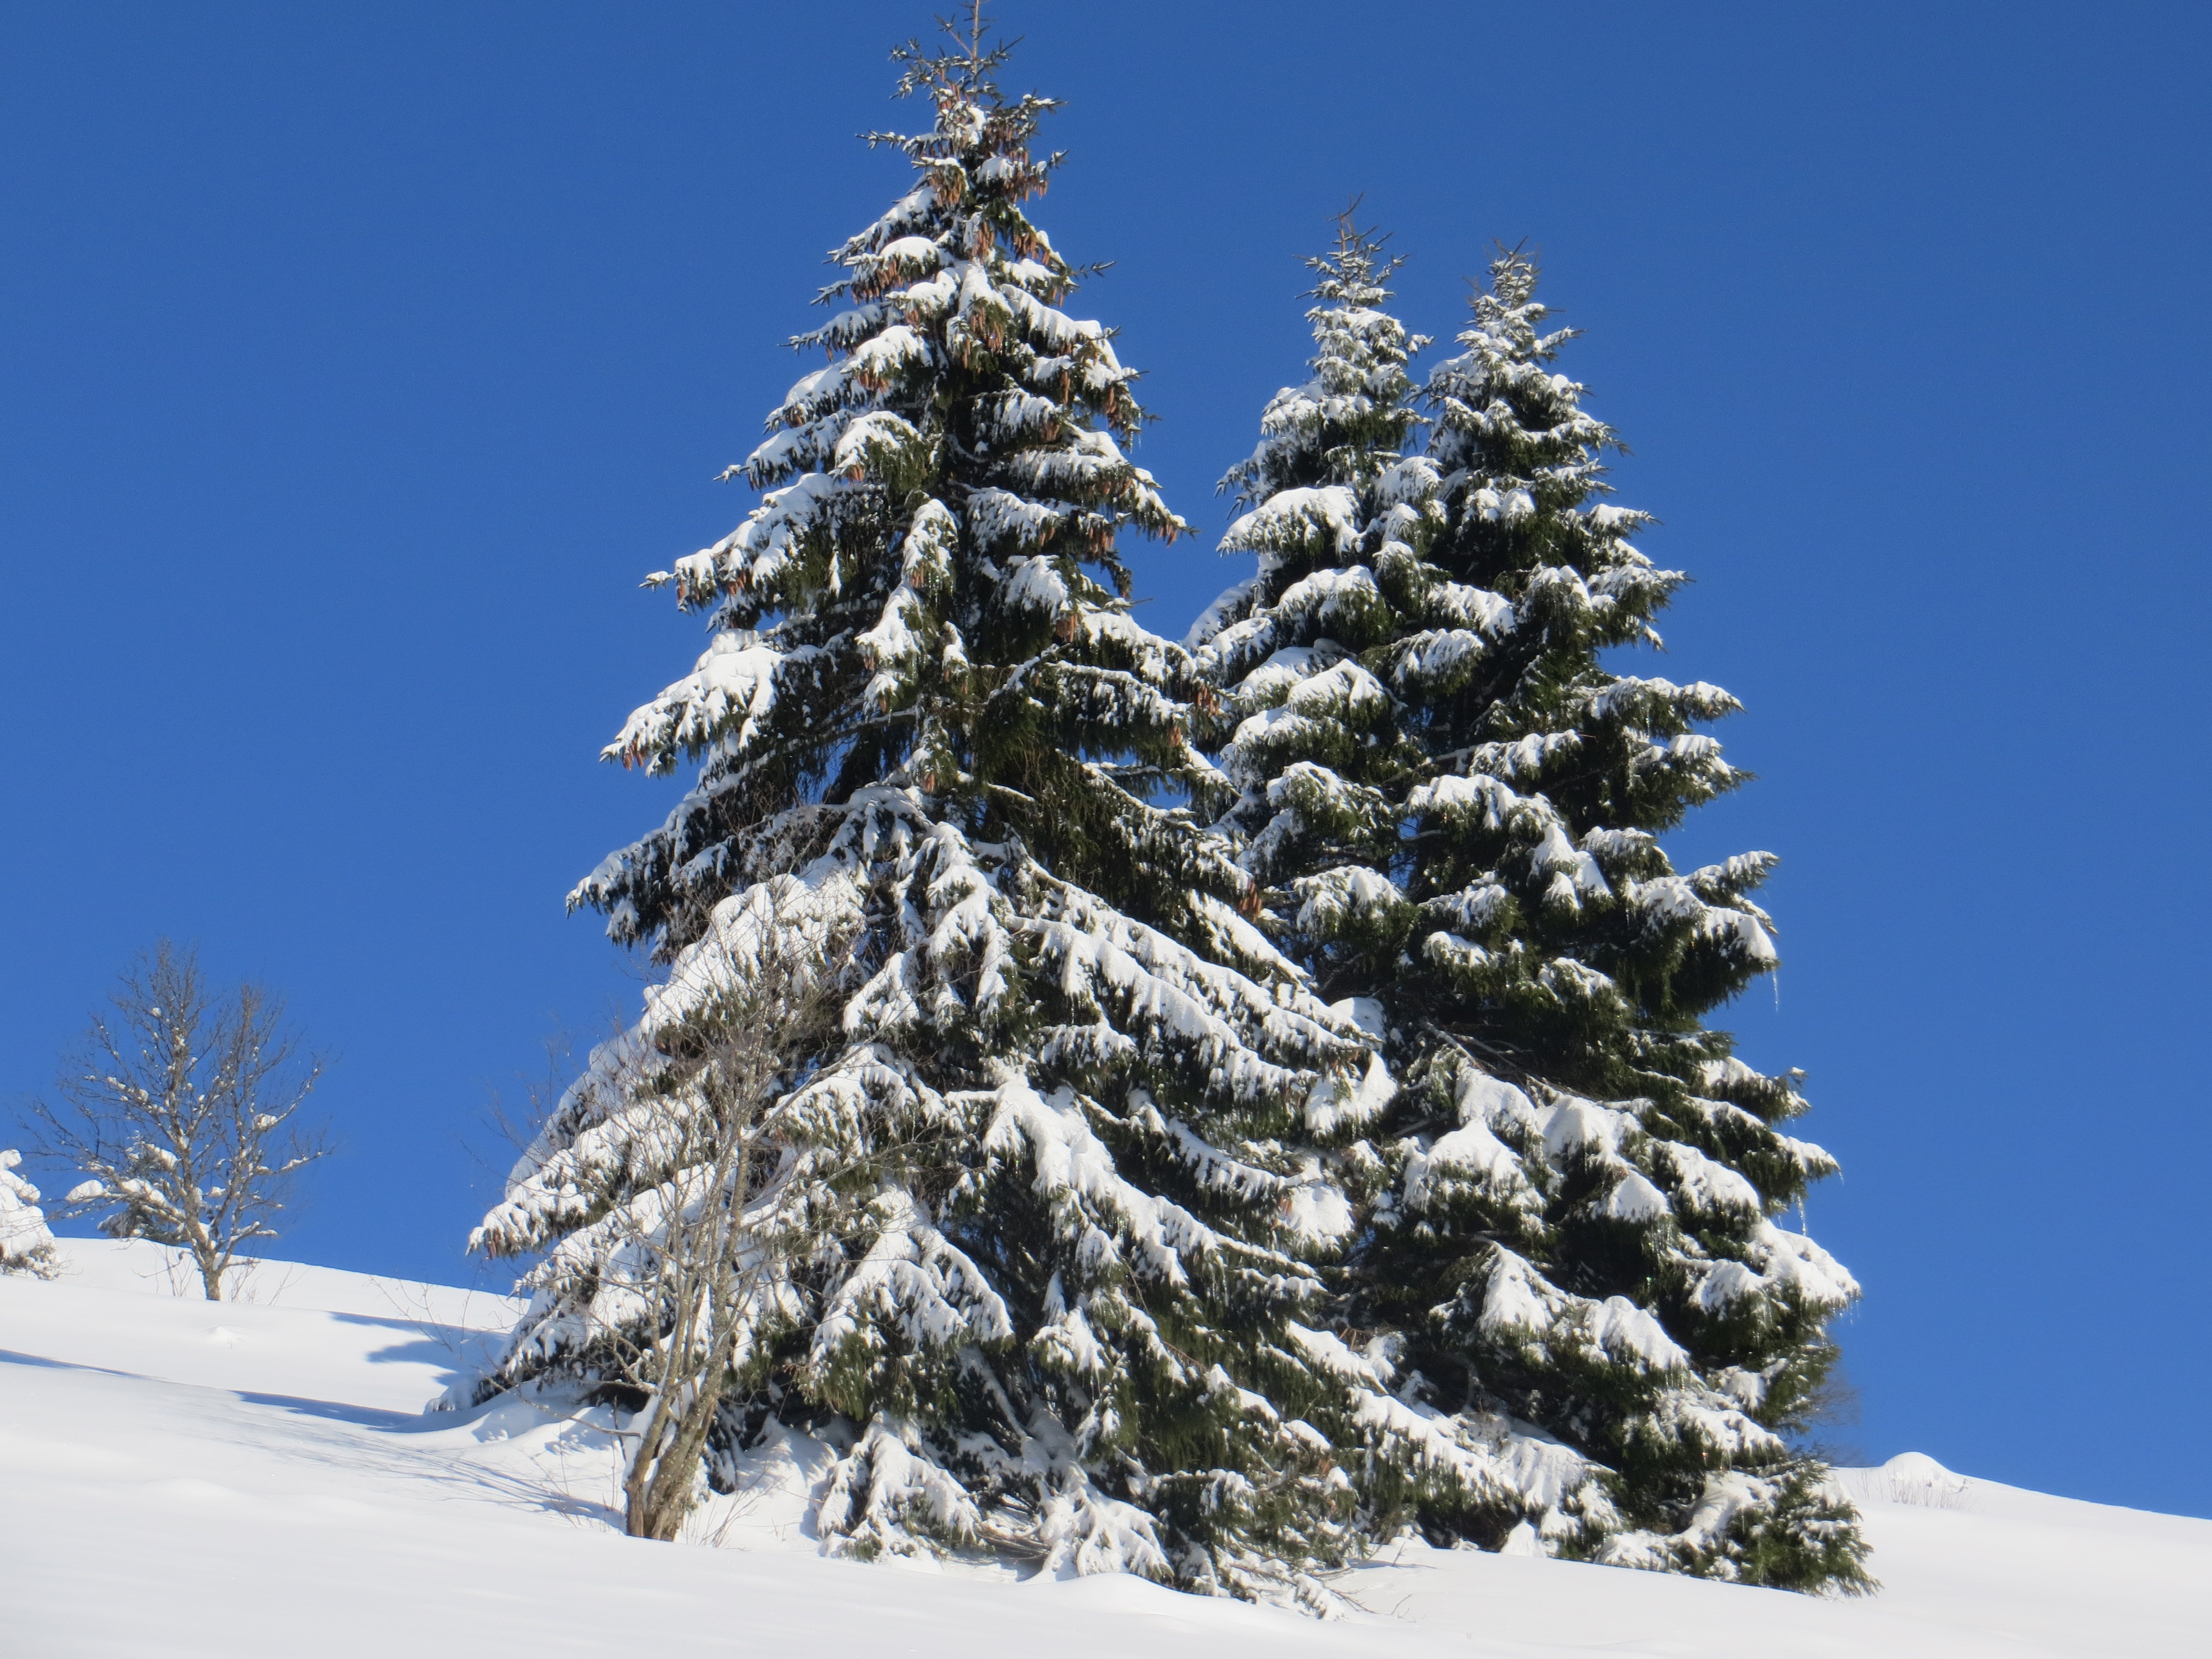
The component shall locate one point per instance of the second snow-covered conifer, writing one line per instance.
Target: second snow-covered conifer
(1571, 1236)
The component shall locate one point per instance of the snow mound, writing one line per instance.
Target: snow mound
(257, 1481)
(1908, 1478)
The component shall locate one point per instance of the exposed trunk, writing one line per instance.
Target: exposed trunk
(700, 1276)
(665, 1471)
(211, 1263)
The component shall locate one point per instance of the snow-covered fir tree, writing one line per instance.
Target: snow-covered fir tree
(1032, 1239)
(26, 1246)
(1572, 1210)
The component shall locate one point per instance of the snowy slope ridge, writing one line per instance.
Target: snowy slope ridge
(257, 1479)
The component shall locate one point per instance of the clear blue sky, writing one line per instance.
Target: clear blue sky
(356, 361)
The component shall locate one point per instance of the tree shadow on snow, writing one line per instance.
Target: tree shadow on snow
(394, 1443)
(452, 1350)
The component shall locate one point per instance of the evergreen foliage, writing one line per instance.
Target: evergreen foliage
(1032, 1246)
(1568, 1211)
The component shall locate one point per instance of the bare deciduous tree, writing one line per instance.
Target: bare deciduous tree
(679, 1281)
(702, 1249)
(182, 1106)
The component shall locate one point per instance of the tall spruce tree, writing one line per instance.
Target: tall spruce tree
(1570, 1209)
(1033, 1243)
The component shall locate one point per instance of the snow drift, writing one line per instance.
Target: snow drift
(256, 1479)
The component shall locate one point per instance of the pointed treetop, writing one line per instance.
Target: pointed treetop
(963, 72)
(1355, 272)
(1351, 421)
(1506, 307)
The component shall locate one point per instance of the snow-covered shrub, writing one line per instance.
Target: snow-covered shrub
(26, 1244)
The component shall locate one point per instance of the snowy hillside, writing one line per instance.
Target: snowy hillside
(256, 1479)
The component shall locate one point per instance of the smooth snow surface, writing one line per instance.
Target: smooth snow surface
(255, 1480)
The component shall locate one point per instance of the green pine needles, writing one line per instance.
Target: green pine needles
(1129, 1158)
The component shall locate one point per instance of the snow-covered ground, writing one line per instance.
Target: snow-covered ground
(256, 1479)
